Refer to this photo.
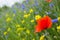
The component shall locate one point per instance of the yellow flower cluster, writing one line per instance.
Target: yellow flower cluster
(33, 39)
(28, 31)
(19, 34)
(37, 17)
(8, 19)
(17, 25)
(6, 32)
(58, 28)
(32, 20)
(26, 15)
(20, 29)
(31, 10)
(8, 29)
(58, 18)
(22, 21)
(42, 37)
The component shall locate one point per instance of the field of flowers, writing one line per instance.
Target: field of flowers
(19, 21)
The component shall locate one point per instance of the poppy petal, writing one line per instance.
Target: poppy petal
(37, 28)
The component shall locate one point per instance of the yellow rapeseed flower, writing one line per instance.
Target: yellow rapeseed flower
(26, 15)
(22, 21)
(23, 39)
(58, 27)
(58, 18)
(31, 10)
(42, 37)
(17, 25)
(37, 17)
(33, 39)
(8, 19)
(28, 31)
(32, 21)
(18, 34)
(5, 33)
(29, 14)
(20, 29)
(8, 29)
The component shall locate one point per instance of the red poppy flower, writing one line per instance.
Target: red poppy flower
(43, 23)
(48, 0)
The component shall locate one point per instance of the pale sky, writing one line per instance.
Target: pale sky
(9, 2)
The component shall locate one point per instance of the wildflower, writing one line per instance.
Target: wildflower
(36, 2)
(8, 29)
(28, 31)
(27, 1)
(51, 5)
(8, 19)
(58, 18)
(55, 20)
(18, 34)
(17, 25)
(33, 39)
(20, 29)
(42, 37)
(31, 10)
(47, 12)
(26, 16)
(5, 33)
(43, 24)
(22, 21)
(23, 6)
(32, 21)
(49, 1)
(23, 39)
(58, 28)
(37, 17)
(14, 11)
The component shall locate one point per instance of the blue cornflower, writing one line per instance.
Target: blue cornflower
(47, 12)
(23, 6)
(51, 5)
(17, 6)
(55, 20)
(14, 11)
(36, 3)
(27, 1)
